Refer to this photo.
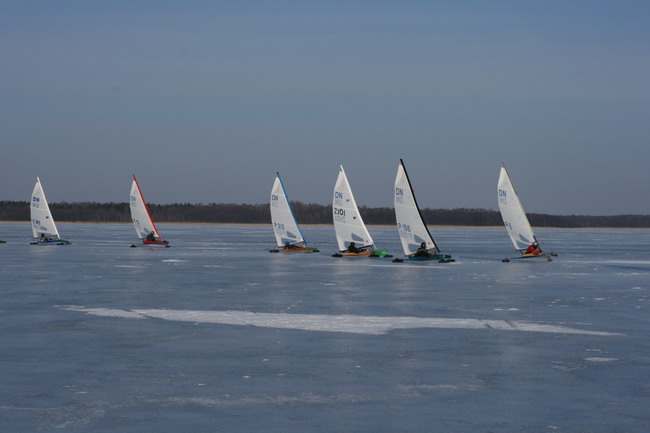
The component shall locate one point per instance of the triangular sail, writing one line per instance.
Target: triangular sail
(513, 213)
(42, 221)
(285, 226)
(348, 224)
(140, 214)
(412, 229)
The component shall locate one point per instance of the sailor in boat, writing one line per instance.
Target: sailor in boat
(534, 249)
(352, 248)
(151, 237)
(422, 251)
(289, 246)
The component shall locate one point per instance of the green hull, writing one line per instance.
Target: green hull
(51, 242)
(440, 258)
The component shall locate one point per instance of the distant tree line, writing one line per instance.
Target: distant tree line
(306, 213)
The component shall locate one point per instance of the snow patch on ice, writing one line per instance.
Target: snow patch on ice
(104, 312)
(278, 400)
(209, 248)
(628, 262)
(600, 359)
(443, 387)
(371, 325)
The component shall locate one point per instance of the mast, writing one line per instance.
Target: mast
(522, 212)
(40, 211)
(347, 229)
(286, 198)
(144, 204)
(418, 206)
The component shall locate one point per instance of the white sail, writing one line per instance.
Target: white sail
(140, 214)
(285, 226)
(42, 221)
(513, 213)
(348, 224)
(412, 229)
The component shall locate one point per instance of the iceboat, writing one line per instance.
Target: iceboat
(351, 233)
(515, 220)
(288, 236)
(417, 242)
(144, 226)
(44, 229)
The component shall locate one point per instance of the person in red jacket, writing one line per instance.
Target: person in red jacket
(533, 249)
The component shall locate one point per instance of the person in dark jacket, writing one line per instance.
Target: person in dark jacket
(422, 251)
(352, 248)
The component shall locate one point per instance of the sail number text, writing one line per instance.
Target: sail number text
(339, 215)
(404, 231)
(399, 195)
(338, 198)
(503, 196)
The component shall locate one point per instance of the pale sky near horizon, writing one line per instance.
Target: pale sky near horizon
(205, 100)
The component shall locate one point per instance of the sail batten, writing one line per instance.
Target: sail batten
(285, 226)
(410, 224)
(42, 221)
(348, 224)
(513, 214)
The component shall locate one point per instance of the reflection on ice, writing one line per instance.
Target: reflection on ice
(372, 325)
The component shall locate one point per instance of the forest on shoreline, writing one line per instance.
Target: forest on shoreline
(306, 213)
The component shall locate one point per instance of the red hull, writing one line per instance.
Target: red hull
(155, 242)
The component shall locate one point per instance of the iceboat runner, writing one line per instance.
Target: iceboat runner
(351, 233)
(417, 242)
(144, 225)
(288, 236)
(515, 220)
(44, 229)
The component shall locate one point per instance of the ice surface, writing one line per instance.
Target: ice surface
(217, 334)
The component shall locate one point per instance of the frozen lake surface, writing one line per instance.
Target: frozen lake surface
(215, 334)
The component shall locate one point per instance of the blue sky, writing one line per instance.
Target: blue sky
(205, 100)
